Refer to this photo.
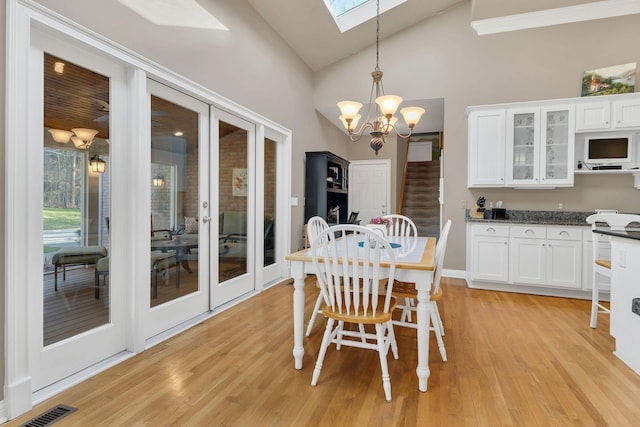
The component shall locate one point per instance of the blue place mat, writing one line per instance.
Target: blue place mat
(393, 245)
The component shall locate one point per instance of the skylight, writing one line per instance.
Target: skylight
(351, 13)
(176, 13)
(338, 7)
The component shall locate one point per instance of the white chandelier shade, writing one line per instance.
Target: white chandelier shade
(81, 137)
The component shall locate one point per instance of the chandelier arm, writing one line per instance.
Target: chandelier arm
(354, 136)
(399, 134)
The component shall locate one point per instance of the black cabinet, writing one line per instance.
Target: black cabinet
(326, 187)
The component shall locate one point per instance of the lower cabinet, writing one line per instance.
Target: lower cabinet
(546, 256)
(490, 252)
(526, 256)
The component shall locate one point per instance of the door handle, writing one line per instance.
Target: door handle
(206, 219)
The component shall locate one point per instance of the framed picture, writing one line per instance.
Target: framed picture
(239, 182)
(609, 80)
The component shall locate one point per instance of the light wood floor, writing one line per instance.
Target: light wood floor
(516, 360)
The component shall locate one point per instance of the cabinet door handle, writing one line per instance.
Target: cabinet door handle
(564, 233)
(529, 232)
(491, 230)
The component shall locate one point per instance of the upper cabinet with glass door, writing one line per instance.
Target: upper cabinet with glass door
(523, 147)
(558, 143)
(540, 146)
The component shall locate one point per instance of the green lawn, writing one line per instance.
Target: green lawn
(55, 218)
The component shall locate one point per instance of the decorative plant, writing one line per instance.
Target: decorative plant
(379, 220)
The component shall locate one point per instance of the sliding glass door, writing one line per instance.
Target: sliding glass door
(76, 308)
(179, 216)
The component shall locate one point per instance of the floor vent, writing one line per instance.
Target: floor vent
(49, 417)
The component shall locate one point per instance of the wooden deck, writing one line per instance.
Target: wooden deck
(514, 359)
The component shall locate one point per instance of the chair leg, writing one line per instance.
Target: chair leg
(339, 329)
(386, 381)
(440, 324)
(406, 311)
(55, 277)
(154, 283)
(97, 283)
(436, 331)
(392, 339)
(314, 313)
(594, 300)
(326, 340)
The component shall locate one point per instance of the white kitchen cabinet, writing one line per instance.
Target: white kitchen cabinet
(486, 139)
(626, 114)
(527, 255)
(540, 146)
(546, 256)
(490, 252)
(593, 116)
(608, 114)
(564, 257)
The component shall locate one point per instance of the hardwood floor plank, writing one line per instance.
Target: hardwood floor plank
(514, 359)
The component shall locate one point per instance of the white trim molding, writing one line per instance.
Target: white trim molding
(561, 15)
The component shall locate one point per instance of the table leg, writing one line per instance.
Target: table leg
(424, 314)
(297, 272)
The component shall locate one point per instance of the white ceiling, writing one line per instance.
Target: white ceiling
(307, 26)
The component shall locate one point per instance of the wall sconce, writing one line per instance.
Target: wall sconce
(158, 181)
(97, 165)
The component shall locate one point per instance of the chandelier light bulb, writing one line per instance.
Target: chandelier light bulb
(387, 124)
(84, 134)
(388, 104)
(349, 109)
(78, 143)
(412, 115)
(60, 136)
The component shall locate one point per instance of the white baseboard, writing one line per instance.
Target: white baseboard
(454, 274)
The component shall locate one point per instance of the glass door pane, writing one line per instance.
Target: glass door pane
(523, 146)
(270, 200)
(557, 145)
(174, 201)
(76, 190)
(233, 201)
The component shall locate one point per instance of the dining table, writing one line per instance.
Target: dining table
(415, 262)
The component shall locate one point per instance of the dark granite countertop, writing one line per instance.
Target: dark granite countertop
(537, 217)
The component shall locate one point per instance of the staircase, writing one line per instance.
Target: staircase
(420, 200)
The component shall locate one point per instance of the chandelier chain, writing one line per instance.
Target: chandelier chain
(377, 32)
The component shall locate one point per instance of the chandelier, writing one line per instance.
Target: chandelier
(82, 138)
(382, 121)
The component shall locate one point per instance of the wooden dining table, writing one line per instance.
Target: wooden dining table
(415, 257)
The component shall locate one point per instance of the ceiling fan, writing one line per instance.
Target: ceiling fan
(103, 106)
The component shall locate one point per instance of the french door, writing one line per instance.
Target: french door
(236, 206)
(77, 101)
(180, 208)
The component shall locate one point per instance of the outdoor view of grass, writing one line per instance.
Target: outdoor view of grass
(56, 218)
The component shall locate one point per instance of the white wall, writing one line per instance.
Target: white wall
(449, 60)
